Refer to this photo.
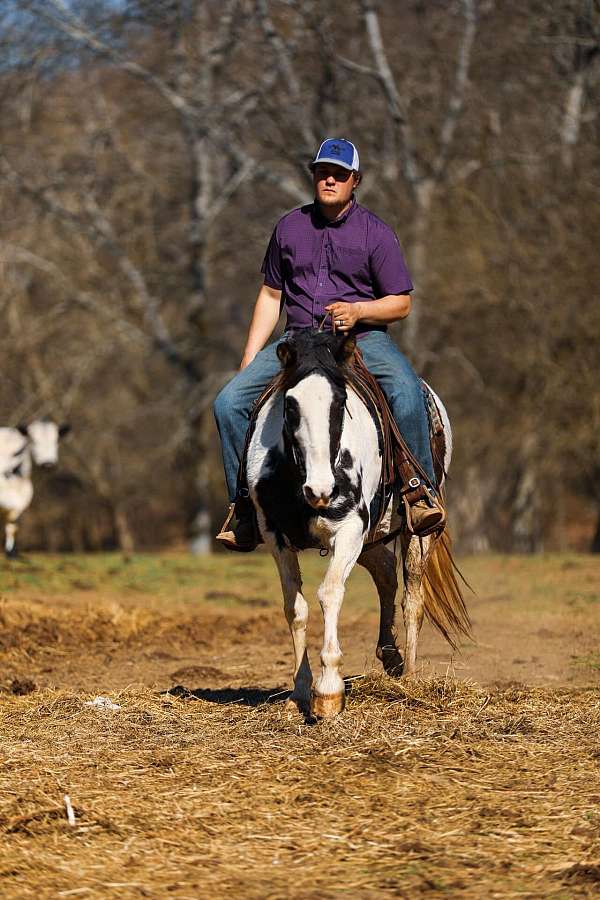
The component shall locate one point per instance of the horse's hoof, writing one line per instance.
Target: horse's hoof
(326, 706)
(392, 661)
(294, 707)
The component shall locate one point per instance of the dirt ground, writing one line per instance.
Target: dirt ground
(480, 779)
(535, 621)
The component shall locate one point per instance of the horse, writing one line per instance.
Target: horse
(313, 470)
(19, 448)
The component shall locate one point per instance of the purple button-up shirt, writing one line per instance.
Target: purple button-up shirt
(315, 262)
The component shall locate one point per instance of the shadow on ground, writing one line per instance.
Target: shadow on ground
(245, 696)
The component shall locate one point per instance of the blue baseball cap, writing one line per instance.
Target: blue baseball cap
(338, 151)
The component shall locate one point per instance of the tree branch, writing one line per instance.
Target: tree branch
(457, 97)
(101, 232)
(386, 78)
(286, 68)
(74, 28)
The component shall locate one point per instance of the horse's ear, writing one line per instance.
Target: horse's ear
(23, 429)
(63, 429)
(286, 353)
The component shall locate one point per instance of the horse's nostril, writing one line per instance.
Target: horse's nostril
(318, 500)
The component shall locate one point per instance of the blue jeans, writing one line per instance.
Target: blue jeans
(390, 367)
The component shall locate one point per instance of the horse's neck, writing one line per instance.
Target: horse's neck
(14, 452)
(359, 436)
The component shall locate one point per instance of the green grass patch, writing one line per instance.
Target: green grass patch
(590, 661)
(545, 584)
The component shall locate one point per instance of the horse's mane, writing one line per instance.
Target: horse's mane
(309, 351)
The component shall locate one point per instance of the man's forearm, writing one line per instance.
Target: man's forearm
(264, 319)
(385, 310)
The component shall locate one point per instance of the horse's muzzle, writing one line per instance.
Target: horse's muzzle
(318, 500)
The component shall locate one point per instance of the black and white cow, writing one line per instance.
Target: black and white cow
(20, 448)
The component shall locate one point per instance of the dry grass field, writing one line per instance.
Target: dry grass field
(479, 779)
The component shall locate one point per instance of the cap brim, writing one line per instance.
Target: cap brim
(334, 162)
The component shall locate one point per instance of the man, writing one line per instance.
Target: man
(331, 257)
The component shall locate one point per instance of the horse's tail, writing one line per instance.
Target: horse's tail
(444, 603)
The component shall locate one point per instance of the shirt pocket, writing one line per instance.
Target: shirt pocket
(350, 262)
(298, 260)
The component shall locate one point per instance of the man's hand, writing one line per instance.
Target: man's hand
(246, 360)
(345, 315)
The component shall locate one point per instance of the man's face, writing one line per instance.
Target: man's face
(333, 184)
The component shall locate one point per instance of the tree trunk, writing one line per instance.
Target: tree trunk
(123, 532)
(413, 342)
(201, 538)
(569, 133)
(525, 517)
(595, 545)
(470, 507)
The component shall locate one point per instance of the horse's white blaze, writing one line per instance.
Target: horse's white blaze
(314, 395)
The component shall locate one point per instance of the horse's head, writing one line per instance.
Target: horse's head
(314, 387)
(44, 435)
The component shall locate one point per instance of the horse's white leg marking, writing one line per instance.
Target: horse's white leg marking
(414, 552)
(296, 613)
(380, 563)
(328, 694)
(10, 533)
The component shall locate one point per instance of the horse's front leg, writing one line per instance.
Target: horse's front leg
(414, 553)
(380, 563)
(10, 536)
(328, 697)
(296, 613)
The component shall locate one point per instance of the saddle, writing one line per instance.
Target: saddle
(400, 470)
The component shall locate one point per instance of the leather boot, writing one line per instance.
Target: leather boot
(245, 536)
(427, 515)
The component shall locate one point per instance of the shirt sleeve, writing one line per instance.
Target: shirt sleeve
(388, 269)
(271, 266)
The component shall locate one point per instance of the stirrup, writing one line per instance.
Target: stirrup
(230, 515)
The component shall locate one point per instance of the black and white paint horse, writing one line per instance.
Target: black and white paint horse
(19, 449)
(313, 469)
